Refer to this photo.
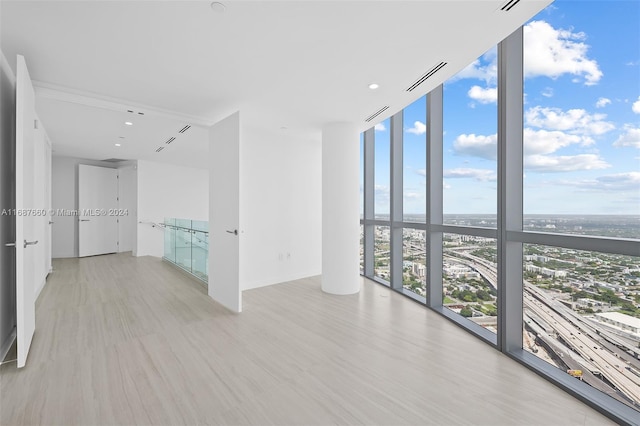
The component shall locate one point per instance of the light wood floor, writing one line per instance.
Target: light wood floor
(124, 340)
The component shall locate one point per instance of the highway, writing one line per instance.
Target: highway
(588, 346)
(595, 358)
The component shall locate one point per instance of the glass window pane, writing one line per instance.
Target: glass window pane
(414, 173)
(200, 254)
(382, 170)
(469, 275)
(361, 249)
(582, 315)
(581, 122)
(183, 248)
(414, 261)
(470, 119)
(382, 252)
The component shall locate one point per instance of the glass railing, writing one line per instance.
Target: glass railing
(186, 244)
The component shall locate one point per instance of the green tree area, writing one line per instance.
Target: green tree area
(466, 312)
(468, 296)
(487, 253)
(607, 296)
(413, 285)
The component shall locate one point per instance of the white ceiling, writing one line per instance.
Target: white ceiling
(294, 64)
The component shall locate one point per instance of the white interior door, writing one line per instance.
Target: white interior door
(40, 218)
(26, 212)
(98, 207)
(48, 219)
(224, 213)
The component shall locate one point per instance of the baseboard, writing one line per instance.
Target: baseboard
(277, 280)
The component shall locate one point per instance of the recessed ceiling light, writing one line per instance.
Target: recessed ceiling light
(128, 123)
(117, 144)
(373, 86)
(218, 7)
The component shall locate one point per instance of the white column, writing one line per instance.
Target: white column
(340, 209)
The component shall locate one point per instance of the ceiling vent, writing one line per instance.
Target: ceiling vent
(171, 139)
(160, 149)
(113, 160)
(428, 74)
(509, 5)
(184, 129)
(377, 113)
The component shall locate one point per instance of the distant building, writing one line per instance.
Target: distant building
(419, 270)
(621, 321)
(545, 271)
(460, 271)
(584, 302)
(536, 257)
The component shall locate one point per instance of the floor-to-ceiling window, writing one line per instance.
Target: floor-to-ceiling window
(414, 197)
(470, 120)
(525, 228)
(582, 178)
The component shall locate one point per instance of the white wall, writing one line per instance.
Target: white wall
(64, 195)
(280, 207)
(165, 191)
(128, 200)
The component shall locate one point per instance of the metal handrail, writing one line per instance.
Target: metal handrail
(154, 224)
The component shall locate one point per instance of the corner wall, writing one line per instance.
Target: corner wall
(280, 207)
(165, 190)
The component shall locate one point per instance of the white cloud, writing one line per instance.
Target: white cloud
(408, 195)
(576, 121)
(629, 180)
(477, 146)
(418, 128)
(631, 137)
(616, 182)
(482, 175)
(564, 163)
(380, 127)
(382, 195)
(539, 145)
(546, 142)
(421, 172)
(553, 52)
(547, 92)
(484, 68)
(603, 102)
(636, 106)
(484, 96)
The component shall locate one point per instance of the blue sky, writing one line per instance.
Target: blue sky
(582, 120)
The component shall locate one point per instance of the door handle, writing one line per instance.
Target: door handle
(85, 220)
(234, 232)
(50, 222)
(9, 244)
(30, 243)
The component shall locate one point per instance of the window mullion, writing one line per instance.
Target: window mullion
(434, 196)
(396, 208)
(510, 180)
(369, 187)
